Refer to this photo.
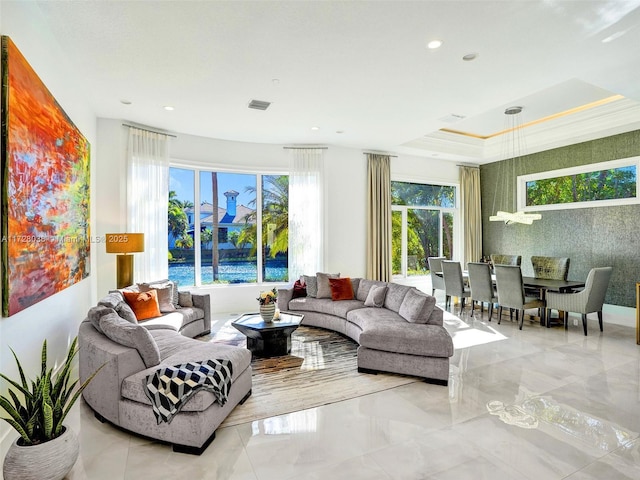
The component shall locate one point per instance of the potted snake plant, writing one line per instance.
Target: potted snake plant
(46, 448)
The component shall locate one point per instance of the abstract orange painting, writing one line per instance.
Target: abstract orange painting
(45, 190)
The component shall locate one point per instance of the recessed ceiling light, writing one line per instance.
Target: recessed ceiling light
(339, 131)
(125, 102)
(433, 44)
(470, 56)
(168, 108)
(315, 128)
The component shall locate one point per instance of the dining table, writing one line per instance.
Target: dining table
(543, 285)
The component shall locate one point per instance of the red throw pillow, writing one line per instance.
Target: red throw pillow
(341, 288)
(144, 304)
(299, 289)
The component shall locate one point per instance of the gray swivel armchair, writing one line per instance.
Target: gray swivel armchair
(454, 283)
(497, 259)
(482, 289)
(589, 300)
(437, 281)
(511, 293)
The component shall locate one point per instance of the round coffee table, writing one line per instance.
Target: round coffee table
(268, 339)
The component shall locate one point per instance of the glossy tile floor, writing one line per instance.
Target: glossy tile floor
(533, 404)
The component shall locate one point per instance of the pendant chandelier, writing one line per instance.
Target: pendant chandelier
(513, 150)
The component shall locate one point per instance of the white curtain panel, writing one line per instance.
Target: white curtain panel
(147, 200)
(306, 220)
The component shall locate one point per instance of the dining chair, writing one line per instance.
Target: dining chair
(498, 259)
(454, 283)
(589, 300)
(551, 268)
(511, 293)
(437, 281)
(481, 285)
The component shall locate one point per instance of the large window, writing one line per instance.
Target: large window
(227, 227)
(601, 184)
(423, 218)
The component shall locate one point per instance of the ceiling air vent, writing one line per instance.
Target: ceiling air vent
(259, 104)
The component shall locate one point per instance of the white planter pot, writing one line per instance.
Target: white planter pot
(48, 461)
(267, 312)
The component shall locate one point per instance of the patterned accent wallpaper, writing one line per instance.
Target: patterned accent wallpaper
(590, 237)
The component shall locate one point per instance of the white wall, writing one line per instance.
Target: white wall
(56, 318)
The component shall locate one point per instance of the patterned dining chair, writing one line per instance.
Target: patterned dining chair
(454, 283)
(437, 281)
(481, 285)
(497, 259)
(589, 300)
(511, 293)
(551, 268)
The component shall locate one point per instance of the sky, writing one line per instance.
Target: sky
(182, 182)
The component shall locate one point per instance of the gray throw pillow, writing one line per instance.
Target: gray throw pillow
(165, 296)
(312, 285)
(112, 300)
(126, 312)
(186, 300)
(364, 286)
(130, 335)
(417, 306)
(164, 283)
(375, 297)
(116, 301)
(96, 313)
(324, 289)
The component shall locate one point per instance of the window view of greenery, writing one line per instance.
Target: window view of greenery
(275, 227)
(614, 183)
(428, 228)
(181, 258)
(228, 224)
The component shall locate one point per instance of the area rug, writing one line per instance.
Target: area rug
(321, 369)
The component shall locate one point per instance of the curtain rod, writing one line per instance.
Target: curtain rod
(305, 148)
(379, 153)
(469, 166)
(147, 130)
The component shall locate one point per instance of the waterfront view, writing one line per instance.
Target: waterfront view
(236, 272)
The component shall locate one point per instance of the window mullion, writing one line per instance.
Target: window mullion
(197, 251)
(259, 242)
(405, 243)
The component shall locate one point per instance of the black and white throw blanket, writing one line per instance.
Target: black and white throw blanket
(169, 388)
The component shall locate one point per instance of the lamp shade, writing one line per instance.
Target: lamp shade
(125, 242)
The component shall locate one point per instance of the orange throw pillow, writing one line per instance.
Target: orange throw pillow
(341, 288)
(143, 304)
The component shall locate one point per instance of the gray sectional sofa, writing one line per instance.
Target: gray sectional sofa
(403, 333)
(131, 351)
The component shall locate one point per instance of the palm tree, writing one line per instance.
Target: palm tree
(275, 215)
(177, 220)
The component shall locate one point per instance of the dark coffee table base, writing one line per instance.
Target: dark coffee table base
(269, 343)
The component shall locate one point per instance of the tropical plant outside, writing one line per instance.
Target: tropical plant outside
(38, 417)
(424, 224)
(614, 183)
(178, 223)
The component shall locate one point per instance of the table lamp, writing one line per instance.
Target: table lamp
(125, 244)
